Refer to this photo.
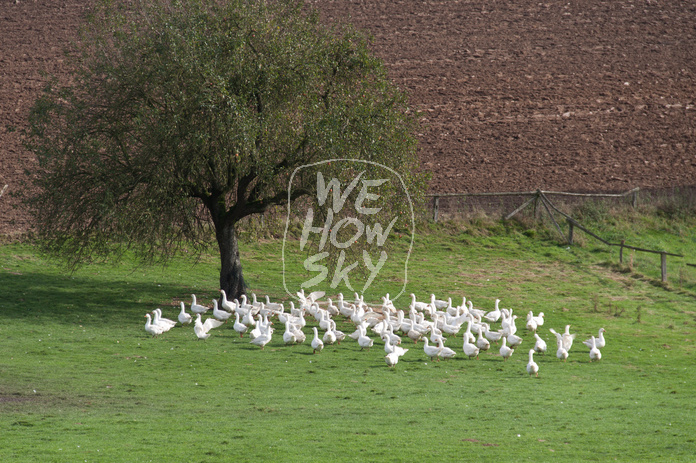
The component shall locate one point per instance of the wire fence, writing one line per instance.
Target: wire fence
(559, 211)
(442, 206)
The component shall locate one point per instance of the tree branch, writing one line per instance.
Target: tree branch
(261, 205)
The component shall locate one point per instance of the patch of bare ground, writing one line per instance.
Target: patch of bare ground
(512, 96)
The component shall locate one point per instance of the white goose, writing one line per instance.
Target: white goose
(372, 318)
(314, 296)
(344, 308)
(388, 305)
(445, 352)
(358, 330)
(393, 348)
(238, 326)
(439, 304)
(358, 315)
(599, 340)
(482, 343)
(202, 329)
(331, 308)
(532, 367)
(393, 338)
(595, 354)
(364, 341)
(264, 338)
(508, 325)
(299, 319)
(505, 351)
(244, 306)
(289, 334)
(561, 352)
(391, 359)
(531, 324)
(218, 314)
(340, 335)
(539, 319)
(436, 334)
(263, 324)
(311, 298)
(513, 340)
(296, 312)
(184, 318)
(299, 334)
(229, 306)
(197, 308)
(493, 336)
(566, 338)
(263, 310)
(274, 306)
(468, 336)
(477, 325)
(248, 318)
(388, 347)
(539, 345)
(165, 323)
(452, 310)
(405, 324)
(255, 303)
(480, 313)
(449, 328)
(415, 335)
(457, 317)
(419, 306)
(317, 343)
(151, 329)
(283, 316)
(329, 337)
(494, 315)
(323, 319)
(431, 351)
(470, 350)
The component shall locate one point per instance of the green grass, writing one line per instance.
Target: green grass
(80, 379)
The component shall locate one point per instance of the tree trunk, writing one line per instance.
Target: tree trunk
(231, 278)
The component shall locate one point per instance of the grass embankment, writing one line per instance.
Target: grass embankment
(80, 380)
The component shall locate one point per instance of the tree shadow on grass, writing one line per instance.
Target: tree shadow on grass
(82, 299)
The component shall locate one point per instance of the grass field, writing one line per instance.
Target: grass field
(80, 380)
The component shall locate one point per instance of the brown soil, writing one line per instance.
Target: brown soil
(515, 95)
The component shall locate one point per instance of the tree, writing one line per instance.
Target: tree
(183, 115)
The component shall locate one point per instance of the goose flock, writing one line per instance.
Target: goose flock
(433, 322)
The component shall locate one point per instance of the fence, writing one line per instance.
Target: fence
(499, 204)
(539, 198)
(486, 202)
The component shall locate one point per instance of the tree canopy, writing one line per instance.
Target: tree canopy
(182, 118)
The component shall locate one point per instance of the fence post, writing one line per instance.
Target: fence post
(570, 231)
(635, 199)
(621, 251)
(436, 208)
(663, 258)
